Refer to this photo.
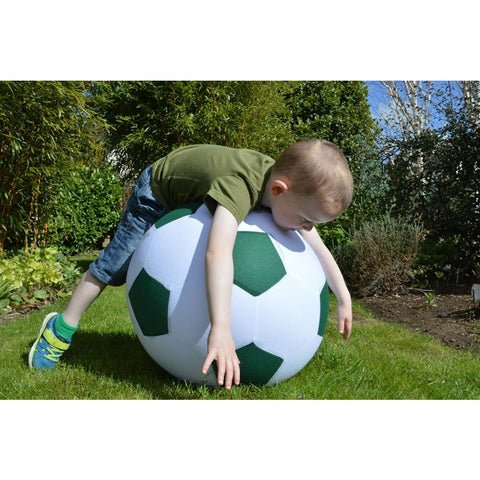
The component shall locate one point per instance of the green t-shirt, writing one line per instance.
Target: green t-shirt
(232, 177)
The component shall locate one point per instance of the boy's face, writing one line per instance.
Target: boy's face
(293, 211)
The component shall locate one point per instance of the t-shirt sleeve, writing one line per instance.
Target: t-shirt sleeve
(231, 192)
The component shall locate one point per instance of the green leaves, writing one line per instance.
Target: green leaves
(435, 176)
(334, 111)
(150, 119)
(50, 131)
(45, 127)
(86, 209)
(5, 288)
(30, 278)
(40, 294)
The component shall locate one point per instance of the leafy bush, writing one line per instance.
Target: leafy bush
(29, 278)
(370, 194)
(86, 210)
(438, 261)
(379, 256)
(46, 127)
(435, 175)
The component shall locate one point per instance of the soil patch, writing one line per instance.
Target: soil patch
(18, 314)
(449, 317)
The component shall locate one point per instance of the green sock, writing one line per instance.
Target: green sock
(64, 329)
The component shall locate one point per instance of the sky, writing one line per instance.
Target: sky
(380, 102)
(377, 98)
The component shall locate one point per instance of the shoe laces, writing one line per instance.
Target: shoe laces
(53, 353)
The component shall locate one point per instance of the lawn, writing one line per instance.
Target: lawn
(106, 361)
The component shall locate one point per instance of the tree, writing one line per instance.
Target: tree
(150, 119)
(453, 179)
(469, 100)
(334, 111)
(411, 108)
(443, 191)
(45, 127)
(339, 112)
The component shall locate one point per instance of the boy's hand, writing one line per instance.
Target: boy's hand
(344, 318)
(334, 279)
(219, 284)
(221, 348)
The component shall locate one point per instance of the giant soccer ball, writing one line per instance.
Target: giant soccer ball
(279, 299)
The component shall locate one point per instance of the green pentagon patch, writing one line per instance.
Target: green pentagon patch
(187, 209)
(149, 301)
(257, 366)
(257, 265)
(324, 301)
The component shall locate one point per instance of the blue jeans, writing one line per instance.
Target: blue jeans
(142, 211)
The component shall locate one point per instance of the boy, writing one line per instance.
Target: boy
(310, 183)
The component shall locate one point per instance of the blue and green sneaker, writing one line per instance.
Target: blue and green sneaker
(48, 347)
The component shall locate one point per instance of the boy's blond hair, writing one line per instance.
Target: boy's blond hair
(318, 168)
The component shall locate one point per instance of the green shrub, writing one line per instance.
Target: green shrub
(29, 278)
(379, 256)
(85, 210)
(438, 261)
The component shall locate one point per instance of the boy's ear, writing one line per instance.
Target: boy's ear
(278, 187)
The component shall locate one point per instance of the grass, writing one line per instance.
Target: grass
(106, 361)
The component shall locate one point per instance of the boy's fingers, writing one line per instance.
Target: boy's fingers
(207, 363)
(345, 328)
(236, 373)
(232, 373)
(228, 370)
(221, 370)
(228, 376)
(348, 330)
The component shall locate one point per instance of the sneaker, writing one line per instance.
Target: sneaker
(48, 347)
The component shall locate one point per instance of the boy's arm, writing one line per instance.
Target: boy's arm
(334, 279)
(219, 282)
